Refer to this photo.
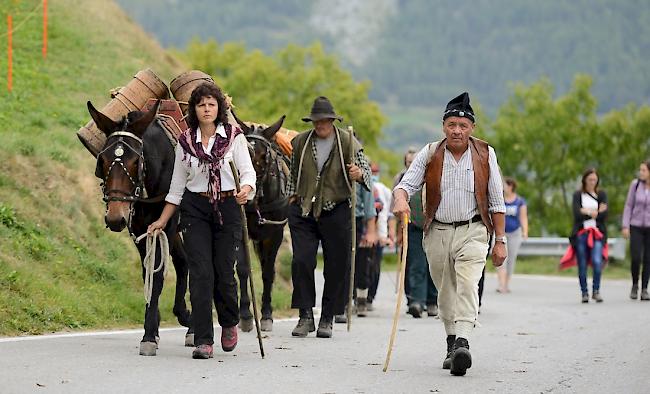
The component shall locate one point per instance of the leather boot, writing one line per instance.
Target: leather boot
(450, 348)
(324, 327)
(461, 358)
(305, 323)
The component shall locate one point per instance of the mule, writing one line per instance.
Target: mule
(266, 216)
(136, 166)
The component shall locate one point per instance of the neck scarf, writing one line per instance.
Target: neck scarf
(211, 161)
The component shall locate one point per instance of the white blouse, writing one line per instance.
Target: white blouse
(194, 177)
(590, 203)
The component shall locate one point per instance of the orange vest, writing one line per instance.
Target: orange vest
(433, 179)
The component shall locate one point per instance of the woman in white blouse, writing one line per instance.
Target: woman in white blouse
(203, 186)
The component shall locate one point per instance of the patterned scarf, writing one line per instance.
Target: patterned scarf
(211, 161)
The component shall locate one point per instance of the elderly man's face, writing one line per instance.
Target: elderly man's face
(324, 127)
(457, 130)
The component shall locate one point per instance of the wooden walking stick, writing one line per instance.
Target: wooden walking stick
(400, 291)
(353, 252)
(247, 255)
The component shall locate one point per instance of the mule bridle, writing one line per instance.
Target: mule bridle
(135, 193)
(271, 156)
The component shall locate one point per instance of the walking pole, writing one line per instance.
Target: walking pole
(353, 252)
(247, 255)
(400, 291)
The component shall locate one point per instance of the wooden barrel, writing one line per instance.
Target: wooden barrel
(132, 97)
(183, 85)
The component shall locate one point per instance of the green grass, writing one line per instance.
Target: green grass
(60, 269)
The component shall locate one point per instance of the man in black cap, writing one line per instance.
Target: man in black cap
(319, 187)
(464, 205)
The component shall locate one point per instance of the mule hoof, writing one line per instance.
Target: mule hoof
(266, 325)
(246, 325)
(189, 340)
(148, 348)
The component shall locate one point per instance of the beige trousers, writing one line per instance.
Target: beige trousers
(456, 259)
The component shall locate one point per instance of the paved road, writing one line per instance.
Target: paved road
(538, 339)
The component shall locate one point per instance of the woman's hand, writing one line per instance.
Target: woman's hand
(242, 196)
(602, 207)
(156, 226)
(625, 233)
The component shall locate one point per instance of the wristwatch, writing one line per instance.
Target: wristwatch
(502, 239)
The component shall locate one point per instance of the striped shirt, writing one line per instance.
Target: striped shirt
(458, 201)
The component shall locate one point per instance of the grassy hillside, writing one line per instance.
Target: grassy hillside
(59, 267)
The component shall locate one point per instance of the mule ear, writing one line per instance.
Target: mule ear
(140, 126)
(270, 131)
(247, 130)
(103, 122)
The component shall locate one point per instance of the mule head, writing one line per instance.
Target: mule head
(260, 140)
(120, 164)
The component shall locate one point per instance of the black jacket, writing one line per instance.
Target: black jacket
(579, 218)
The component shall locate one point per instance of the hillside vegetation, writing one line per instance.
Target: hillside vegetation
(59, 267)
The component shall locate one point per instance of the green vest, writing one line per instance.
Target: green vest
(332, 184)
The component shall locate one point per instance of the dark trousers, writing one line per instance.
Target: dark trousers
(363, 259)
(640, 250)
(422, 289)
(210, 245)
(333, 230)
(375, 272)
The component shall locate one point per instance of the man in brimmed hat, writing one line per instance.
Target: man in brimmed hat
(464, 205)
(319, 187)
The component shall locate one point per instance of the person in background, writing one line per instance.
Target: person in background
(589, 235)
(397, 223)
(319, 187)
(385, 229)
(636, 227)
(516, 232)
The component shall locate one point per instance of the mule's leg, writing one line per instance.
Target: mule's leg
(268, 251)
(179, 258)
(245, 316)
(152, 314)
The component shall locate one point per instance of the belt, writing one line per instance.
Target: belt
(475, 219)
(222, 195)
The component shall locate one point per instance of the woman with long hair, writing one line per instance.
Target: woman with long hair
(589, 233)
(516, 232)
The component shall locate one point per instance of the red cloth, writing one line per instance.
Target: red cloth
(570, 258)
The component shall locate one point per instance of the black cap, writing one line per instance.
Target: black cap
(459, 106)
(322, 109)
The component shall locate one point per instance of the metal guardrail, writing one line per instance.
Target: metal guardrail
(557, 246)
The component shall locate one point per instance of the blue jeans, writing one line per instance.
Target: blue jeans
(422, 289)
(596, 253)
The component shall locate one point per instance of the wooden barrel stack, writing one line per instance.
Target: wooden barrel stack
(132, 97)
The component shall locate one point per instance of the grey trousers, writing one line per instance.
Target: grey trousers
(514, 242)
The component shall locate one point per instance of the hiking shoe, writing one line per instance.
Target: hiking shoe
(340, 319)
(362, 309)
(432, 310)
(596, 296)
(634, 293)
(202, 352)
(585, 298)
(461, 358)
(228, 338)
(305, 324)
(644, 295)
(415, 310)
(324, 327)
(450, 348)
